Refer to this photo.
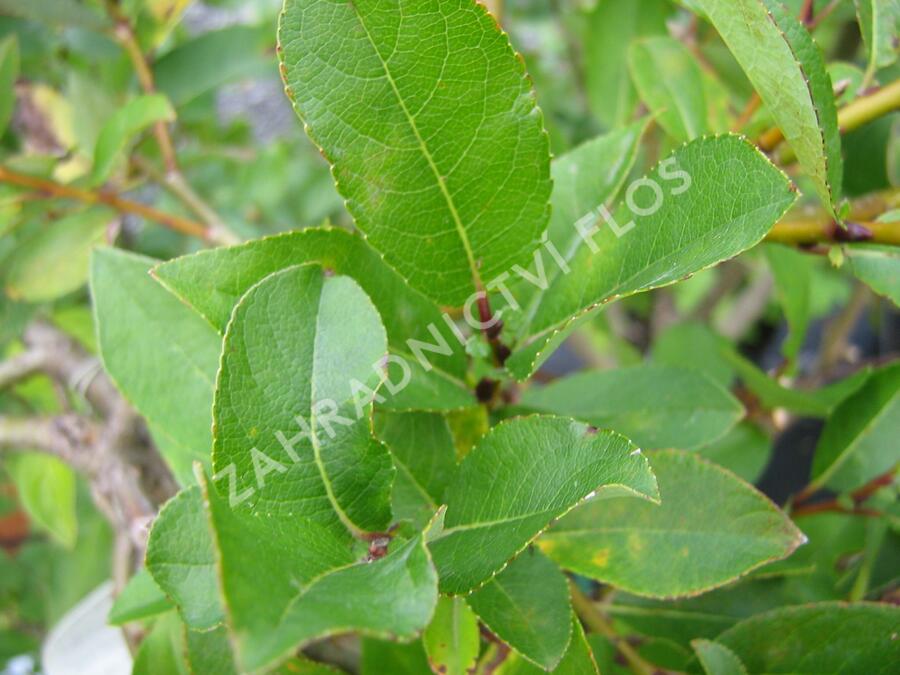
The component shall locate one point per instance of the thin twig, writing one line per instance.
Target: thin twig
(855, 114)
(173, 179)
(53, 189)
(597, 622)
(837, 334)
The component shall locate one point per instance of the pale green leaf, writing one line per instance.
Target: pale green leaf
(161, 355)
(141, 598)
(584, 179)
(608, 31)
(163, 649)
(181, 559)
(829, 637)
(63, 246)
(859, 441)
(717, 197)
(211, 60)
(64, 13)
(421, 446)
(792, 271)
(788, 71)
(527, 606)
(671, 84)
(293, 424)
(710, 528)
(122, 126)
(9, 73)
(380, 657)
(209, 652)
(578, 659)
(877, 266)
(588, 176)
(304, 581)
(654, 406)
(213, 281)
(450, 180)
(46, 490)
(452, 639)
(523, 474)
(879, 23)
(717, 659)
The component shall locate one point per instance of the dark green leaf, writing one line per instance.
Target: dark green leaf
(527, 606)
(423, 452)
(838, 638)
(859, 441)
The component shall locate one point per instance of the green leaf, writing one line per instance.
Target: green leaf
(450, 180)
(527, 606)
(304, 581)
(788, 71)
(141, 599)
(163, 649)
(588, 176)
(705, 541)
(161, 355)
(181, 559)
(828, 637)
(380, 657)
(608, 32)
(744, 451)
(654, 406)
(125, 123)
(213, 281)
(46, 490)
(584, 178)
(720, 196)
(523, 474)
(9, 73)
(64, 247)
(772, 394)
(209, 652)
(717, 659)
(64, 13)
(879, 23)
(793, 285)
(578, 659)
(671, 84)
(859, 439)
(210, 60)
(877, 266)
(452, 639)
(422, 448)
(293, 424)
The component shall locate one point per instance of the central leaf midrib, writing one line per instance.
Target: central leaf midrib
(457, 221)
(314, 436)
